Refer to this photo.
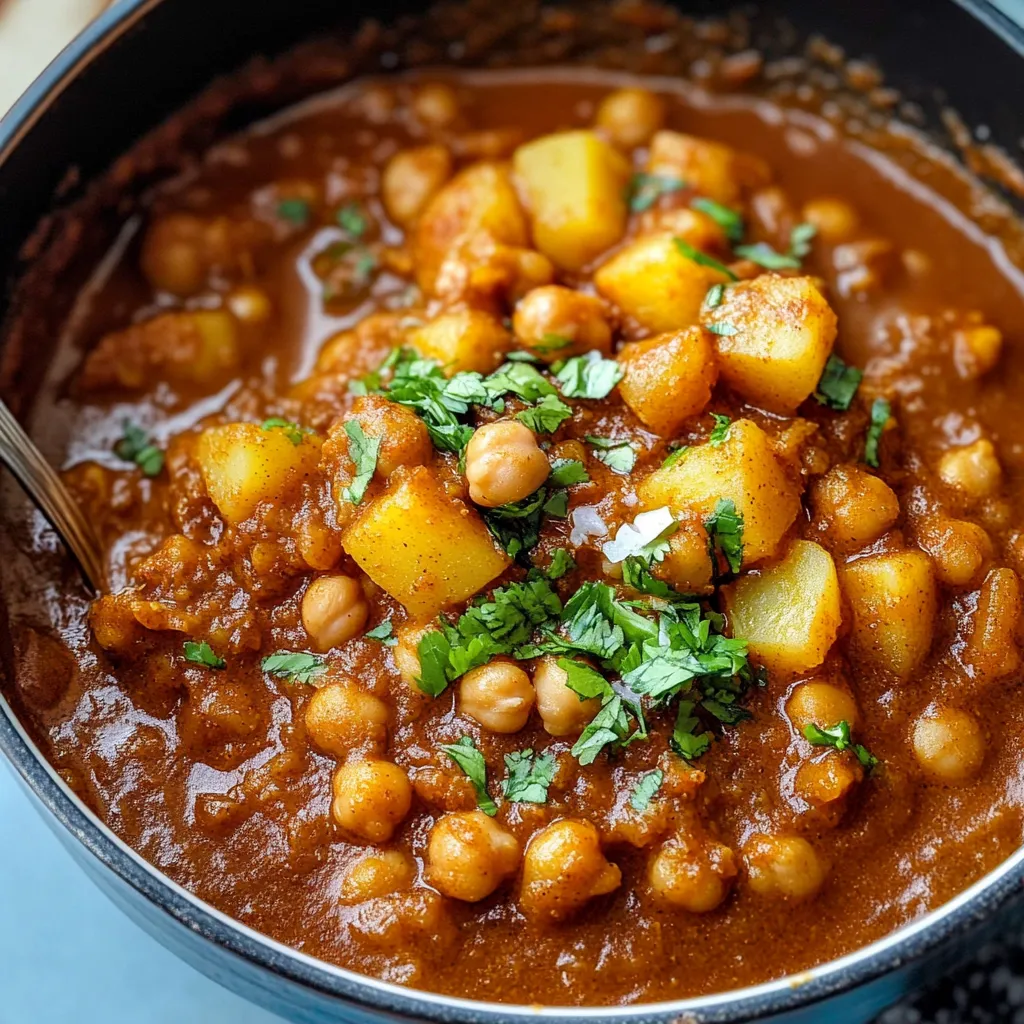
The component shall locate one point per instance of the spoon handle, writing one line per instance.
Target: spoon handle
(47, 490)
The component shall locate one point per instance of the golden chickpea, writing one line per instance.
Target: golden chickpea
(826, 781)
(692, 874)
(959, 549)
(785, 867)
(411, 178)
(469, 855)
(629, 117)
(948, 744)
(976, 350)
(820, 703)
(334, 610)
(249, 304)
(563, 868)
(341, 720)
(378, 874)
(561, 709)
(835, 219)
(435, 104)
(686, 565)
(973, 469)
(555, 322)
(404, 438)
(370, 799)
(504, 463)
(854, 507)
(173, 257)
(498, 695)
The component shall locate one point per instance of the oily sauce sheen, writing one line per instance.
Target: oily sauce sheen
(243, 297)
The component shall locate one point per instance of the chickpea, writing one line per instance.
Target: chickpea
(820, 703)
(686, 565)
(435, 104)
(407, 656)
(334, 610)
(504, 463)
(469, 855)
(854, 507)
(992, 651)
(342, 719)
(548, 317)
(973, 469)
(690, 225)
(249, 304)
(629, 117)
(563, 868)
(959, 549)
(826, 781)
(378, 874)
(498, 695)
(976, 350)
(411, 178)
(692, 874)
(835, 219)
(561, 709)
(948, 744)
(404, 438)
(173, 256)
(786, 867)
(370, 799)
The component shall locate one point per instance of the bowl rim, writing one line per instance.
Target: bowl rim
(969, 909)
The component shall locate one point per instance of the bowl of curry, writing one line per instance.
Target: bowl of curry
(560, 516)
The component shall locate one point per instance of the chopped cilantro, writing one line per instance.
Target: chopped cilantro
(295, 211)
(557, 505)
(646, 189)
(728, 219)
(566, 472)
(720, 433)
(352, 220)
(838, 384)
(636, 573)
(647, 537)
(645, 790)
(618, 455)
(722, 329)
(589, 376)
(291, 430)
(521, 379)
(552, 343)
(465, 754)
(586, 682)
(725, 534)
(529, 776)
(385, 633)
(673, 457)
(880, 413)
(135, 446)
(714, 297)
(434, 651)
(765, 256)
(686, 741)
(838, 736)
(294, 666)
(363, 451)
(561, 563)
(800, 240)
(202, 654)
(610, 727)
(516, 526)
(546, 416)
(692, 253)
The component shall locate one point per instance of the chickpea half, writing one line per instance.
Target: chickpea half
(498, 695)
(504, 463)
(785, 867)
(341, 720)
(334, 610)
(469, 855)
(371, 798)
(561, 709)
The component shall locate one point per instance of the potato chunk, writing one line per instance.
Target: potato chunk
(243, 464)
(742, 468)
(425, 549)
(574, 183)
(652, 282)
(466, 339)
(894, 601)
(774, 335)
(789, 614)
(668, 379)
(708, 167)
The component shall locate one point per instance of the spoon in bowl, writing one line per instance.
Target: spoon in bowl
(42, 484)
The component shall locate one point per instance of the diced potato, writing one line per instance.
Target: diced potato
(742, 468)
(479, 199)
(426, 549)
(789, 614)
(467, 339)
(652, 282)
(707, 167)
(894, 601)
(574, 183)
(243, 464)
(774, 335)
(668, 379)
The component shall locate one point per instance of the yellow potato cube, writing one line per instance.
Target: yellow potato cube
(652, 282)
(575, 187)
(789, 614)
(894, 601)
(668, 379)
(467, 339)
(774, 335)
(426, 549)
(707, 167)
(242, 464)
(742, 468)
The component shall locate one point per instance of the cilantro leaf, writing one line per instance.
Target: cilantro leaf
(800, 240)
(645, 790)
(728, 219)
(363, 451)
(434, 651)
(720, 433)
(702, 258)
(352, 220)
(293, 666)
(567, 472)
(202, 654)
(765, 256)
(838, 736)
(722, 329)
(686, 741)
(589, 376)
(609, 727)
(295, 211)
(618, 455)
(135, 446)
(646, 189)
(552, 343)
(636, 573)
(465, 754)
(714, 297)
(586, 682)
(673, 457)
(880, 413)
(838, 384)
(546, 416)
(516, 526)
(529, 777)
(291, 430)
(647, 537)
(557, 505)
(561, 563)
(385, 633)
(523, 380)
(725, 534)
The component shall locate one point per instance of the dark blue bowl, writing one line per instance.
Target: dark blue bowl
(122, 77)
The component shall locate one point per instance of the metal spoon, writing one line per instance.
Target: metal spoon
(42, 484)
